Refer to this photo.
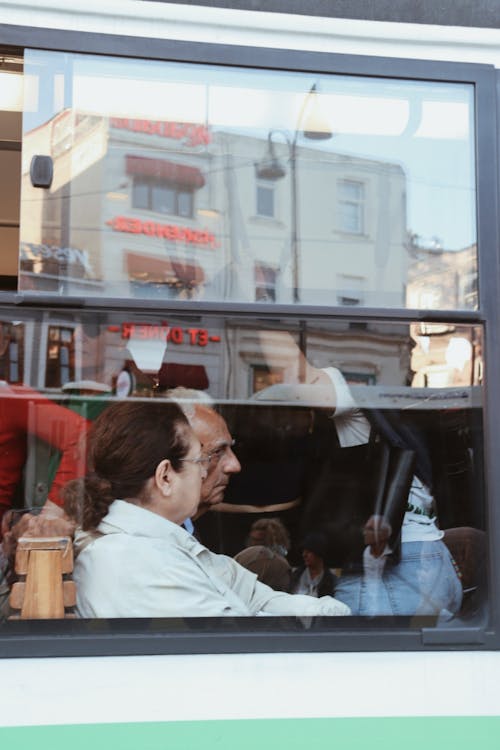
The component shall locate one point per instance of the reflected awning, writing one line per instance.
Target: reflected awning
(173, 374)
(181, 175)
(149, 268)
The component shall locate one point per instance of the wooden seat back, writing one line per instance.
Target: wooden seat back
(43, 592)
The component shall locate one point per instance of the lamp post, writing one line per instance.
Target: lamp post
(315, 127)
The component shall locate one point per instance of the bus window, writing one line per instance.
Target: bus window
(363, 443)
(170, 189)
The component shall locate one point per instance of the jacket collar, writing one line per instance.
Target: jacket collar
(137, 521)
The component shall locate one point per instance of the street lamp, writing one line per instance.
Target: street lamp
(314, 127)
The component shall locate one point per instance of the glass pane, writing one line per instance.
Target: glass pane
(141, 192)
(398, 155)
(265, 201)
(351, 217)
(163, 199)
(351, 191)
(185, 203)
(356, 468)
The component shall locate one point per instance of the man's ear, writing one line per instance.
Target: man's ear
(163, 477)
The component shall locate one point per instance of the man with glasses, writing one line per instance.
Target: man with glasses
(217, 444)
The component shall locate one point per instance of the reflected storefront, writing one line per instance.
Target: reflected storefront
(268, 384)
(237, 358)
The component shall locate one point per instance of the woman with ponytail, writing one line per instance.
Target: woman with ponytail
(136, 559)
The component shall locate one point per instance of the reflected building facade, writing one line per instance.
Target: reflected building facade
(176, 210)
(445, 355)
(171, 210)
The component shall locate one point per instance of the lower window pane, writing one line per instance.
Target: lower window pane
(354, 485)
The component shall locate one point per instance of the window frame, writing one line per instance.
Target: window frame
(45, 639)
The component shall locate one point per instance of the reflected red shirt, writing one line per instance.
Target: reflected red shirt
(25, 412)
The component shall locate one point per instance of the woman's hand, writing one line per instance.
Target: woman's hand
(51, 522)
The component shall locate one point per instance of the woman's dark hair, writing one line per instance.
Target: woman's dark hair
(126, 443)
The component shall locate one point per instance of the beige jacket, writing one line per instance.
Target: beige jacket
(145, 566)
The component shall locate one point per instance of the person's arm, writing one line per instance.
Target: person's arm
(377, 532)
(63, 429)
(260, 598)
(305, 606)
(312, 386)
(26, 411)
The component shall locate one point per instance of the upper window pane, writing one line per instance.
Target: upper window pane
(155, 168)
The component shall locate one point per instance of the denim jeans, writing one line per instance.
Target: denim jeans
(424, 582)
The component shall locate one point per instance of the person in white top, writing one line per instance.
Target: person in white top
(424, 580)
(147, 470)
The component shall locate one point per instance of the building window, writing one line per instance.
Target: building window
(351, 201)
(265, 282)
(152, 194)
(263, 376)
(11, 352)
(60, 357)
(354, 377)
(265, 201)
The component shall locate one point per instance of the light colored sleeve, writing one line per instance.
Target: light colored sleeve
(351, 424)
(260, 598)
(301, 605)
(120, 575)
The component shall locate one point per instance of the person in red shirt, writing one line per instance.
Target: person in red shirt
(25, 412)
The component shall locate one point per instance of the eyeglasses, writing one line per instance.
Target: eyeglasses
(215, 454)
(219, 452)
(200, 460)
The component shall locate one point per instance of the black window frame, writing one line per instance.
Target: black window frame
(78, 638)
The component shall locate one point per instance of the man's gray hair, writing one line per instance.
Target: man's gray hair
(188, 398)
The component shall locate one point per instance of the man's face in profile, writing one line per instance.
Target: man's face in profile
(216, 441)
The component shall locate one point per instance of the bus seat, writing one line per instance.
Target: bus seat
(467, 546)
(43, 565)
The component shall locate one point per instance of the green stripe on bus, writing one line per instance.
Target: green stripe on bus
(415, 733)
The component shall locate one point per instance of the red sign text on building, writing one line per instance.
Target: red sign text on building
(166, 231)
(191, 133)
(163, 332)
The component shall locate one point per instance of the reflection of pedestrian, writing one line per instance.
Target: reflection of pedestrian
(268, 544)
(313, 578)
(271, 533)
(23, 411)
(424, 580)
(270, 567)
